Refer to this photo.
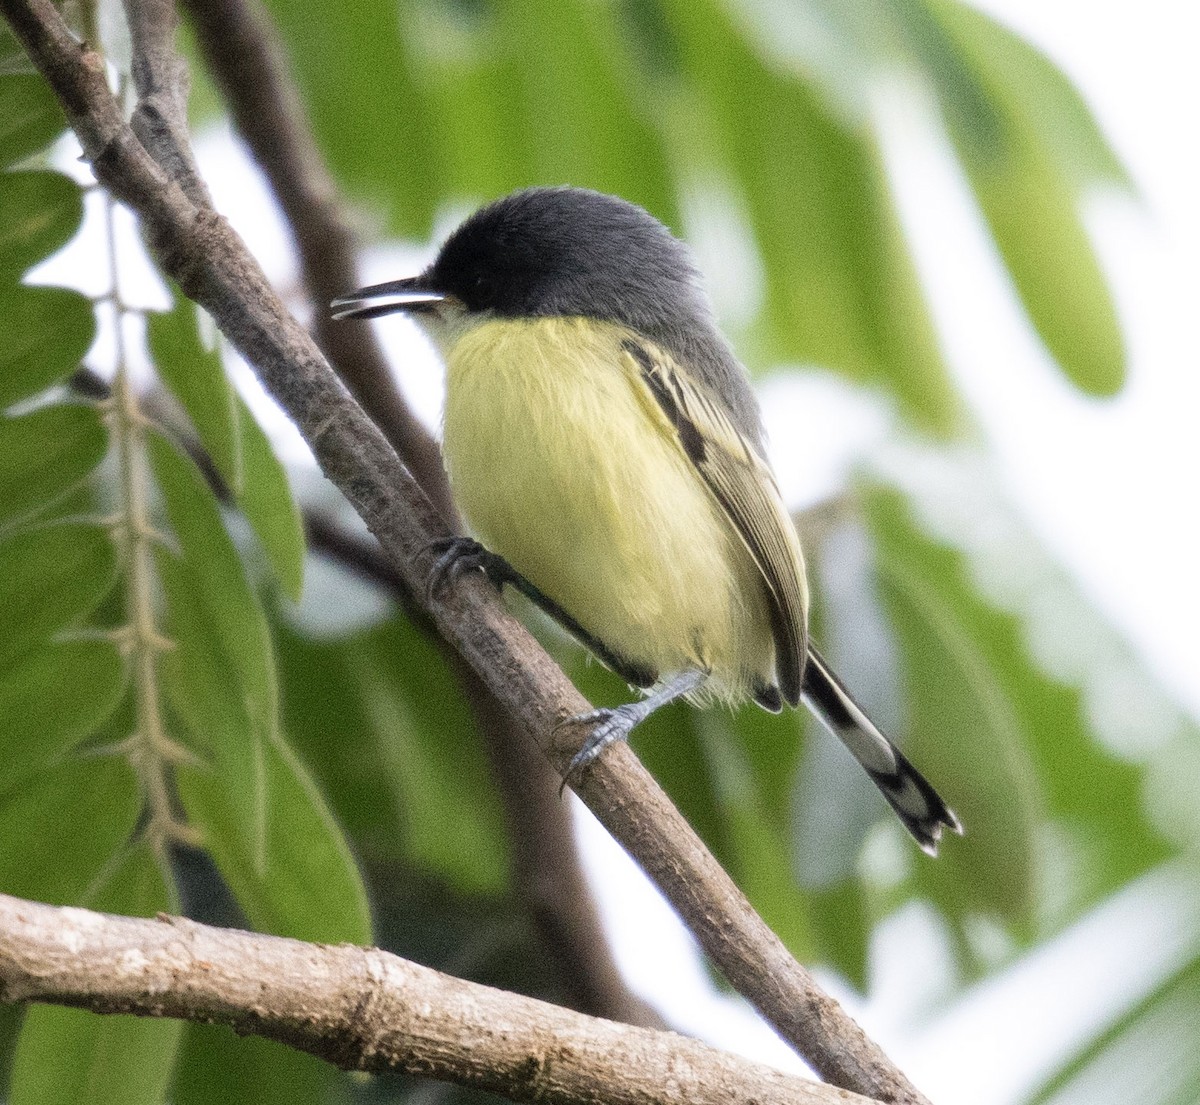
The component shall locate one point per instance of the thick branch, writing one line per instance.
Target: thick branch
(213, 267)
(246, 60)
(365, 1009)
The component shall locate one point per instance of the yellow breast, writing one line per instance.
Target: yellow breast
(559, 465)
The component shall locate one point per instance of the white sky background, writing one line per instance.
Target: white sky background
(1109, 487)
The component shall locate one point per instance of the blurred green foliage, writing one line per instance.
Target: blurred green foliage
(335, 783)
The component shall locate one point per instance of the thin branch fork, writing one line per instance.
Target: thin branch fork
(365, 1009)
(198, 249)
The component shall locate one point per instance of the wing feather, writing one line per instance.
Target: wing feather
(744, 486)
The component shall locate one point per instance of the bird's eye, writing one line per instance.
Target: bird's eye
(482, 285)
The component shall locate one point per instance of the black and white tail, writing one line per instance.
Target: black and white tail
(908, 792)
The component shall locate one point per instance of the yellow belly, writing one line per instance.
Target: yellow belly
(558, 466)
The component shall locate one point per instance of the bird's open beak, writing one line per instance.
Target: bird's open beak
(385, 299)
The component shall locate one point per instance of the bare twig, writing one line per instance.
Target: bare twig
(213, 267)
(365, 1009)
(247, 61)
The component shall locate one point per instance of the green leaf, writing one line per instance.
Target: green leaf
(1027, 170)
(1023, 81)
(39, 213)
(51, 577)
(232, 438)
(218, 1068)
(12, 56)
(298, 879)
(1036, 224)
(267, 502)
(981, 765)
(1107, 814)
(205, 692)
(46, 454)
(46, 333)
(842, 925)
(1109, 821)
(196, 377)
(964, 730)
(585, 125)
(479, 120)
(11, 1017)
(219, 677)
(29, 116)
(327, 721)
(1003, 742)
(53, 698)
(966, 67)
(466, 78)
(264, 821)
(427, 736)
(392, 161)
(771, 746)
(1026, 138)
(81, 813)
(1152, 1044)
(228, 604)
(841, 288)
(759, 858)
(205, 104)
(72, 1057)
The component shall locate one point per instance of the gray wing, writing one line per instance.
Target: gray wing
(744, 486)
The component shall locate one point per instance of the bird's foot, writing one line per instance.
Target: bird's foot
(456, 555)
(617, 723)
(613, 724)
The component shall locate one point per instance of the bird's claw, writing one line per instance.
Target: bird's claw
(455, 555)
(613, 724)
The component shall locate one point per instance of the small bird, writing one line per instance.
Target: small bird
(604, 444)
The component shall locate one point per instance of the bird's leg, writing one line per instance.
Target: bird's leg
(456, 555)
(617, 723)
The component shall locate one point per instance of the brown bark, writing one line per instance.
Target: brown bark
(365, 1009)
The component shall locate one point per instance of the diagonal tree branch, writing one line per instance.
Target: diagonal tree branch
(211, 264)
(246, 61)
(245, 58)
(365, 1009)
